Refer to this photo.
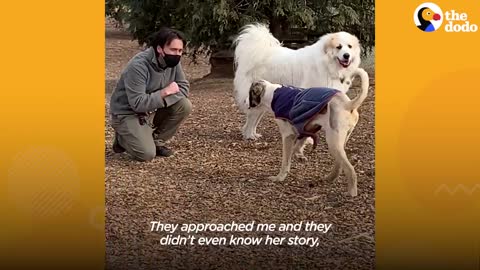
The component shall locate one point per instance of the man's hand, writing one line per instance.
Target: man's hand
(171, 89)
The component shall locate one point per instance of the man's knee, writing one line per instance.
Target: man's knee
(142, 150)
(183, 107)
(144, 155)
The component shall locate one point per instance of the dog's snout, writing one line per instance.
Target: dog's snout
(346, 55)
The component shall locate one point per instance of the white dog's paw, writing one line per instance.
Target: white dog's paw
(257, 135)
(277, 178)
(252, 136)
(301, 157)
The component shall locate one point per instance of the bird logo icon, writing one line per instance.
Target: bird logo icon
(428, 17)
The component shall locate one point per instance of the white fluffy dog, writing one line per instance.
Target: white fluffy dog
(259, 55)
(336, 114)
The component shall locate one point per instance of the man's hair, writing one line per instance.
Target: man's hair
(164, 36)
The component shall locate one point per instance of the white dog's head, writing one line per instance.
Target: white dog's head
(343, 48)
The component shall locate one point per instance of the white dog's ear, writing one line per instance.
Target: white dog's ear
(329, 43)
(356, 43)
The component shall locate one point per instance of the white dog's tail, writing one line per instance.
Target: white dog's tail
(252, 45)
(252, 48)
(358, 100)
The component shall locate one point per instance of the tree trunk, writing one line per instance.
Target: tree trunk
(221, 64)
(222, 61)
(279, 26)
(276, 27)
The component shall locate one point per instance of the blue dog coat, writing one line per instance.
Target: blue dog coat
(299, 106)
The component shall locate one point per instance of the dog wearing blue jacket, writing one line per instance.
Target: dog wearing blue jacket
(302, 113)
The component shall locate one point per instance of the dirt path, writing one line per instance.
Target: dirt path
(216, 177)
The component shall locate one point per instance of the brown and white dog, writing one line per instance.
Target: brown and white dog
(338, 122)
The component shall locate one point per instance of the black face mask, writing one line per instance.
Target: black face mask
(171, 59)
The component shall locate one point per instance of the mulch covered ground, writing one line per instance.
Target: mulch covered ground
(217, 177)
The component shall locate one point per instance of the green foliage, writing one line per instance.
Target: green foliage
(211, 24)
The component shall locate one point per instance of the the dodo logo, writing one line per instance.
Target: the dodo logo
(428, 17)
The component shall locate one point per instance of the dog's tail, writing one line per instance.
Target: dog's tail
(358, 100)
(253, 46)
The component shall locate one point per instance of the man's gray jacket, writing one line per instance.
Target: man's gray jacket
(137, 89)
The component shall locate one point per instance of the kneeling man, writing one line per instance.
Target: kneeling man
(150, 100)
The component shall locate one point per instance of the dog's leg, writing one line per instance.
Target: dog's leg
(262, 112)
(288, 144)
(288, 141)
(334, 173)
(253, 118)
(336, 143)
(354, 122)
(299, 148)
